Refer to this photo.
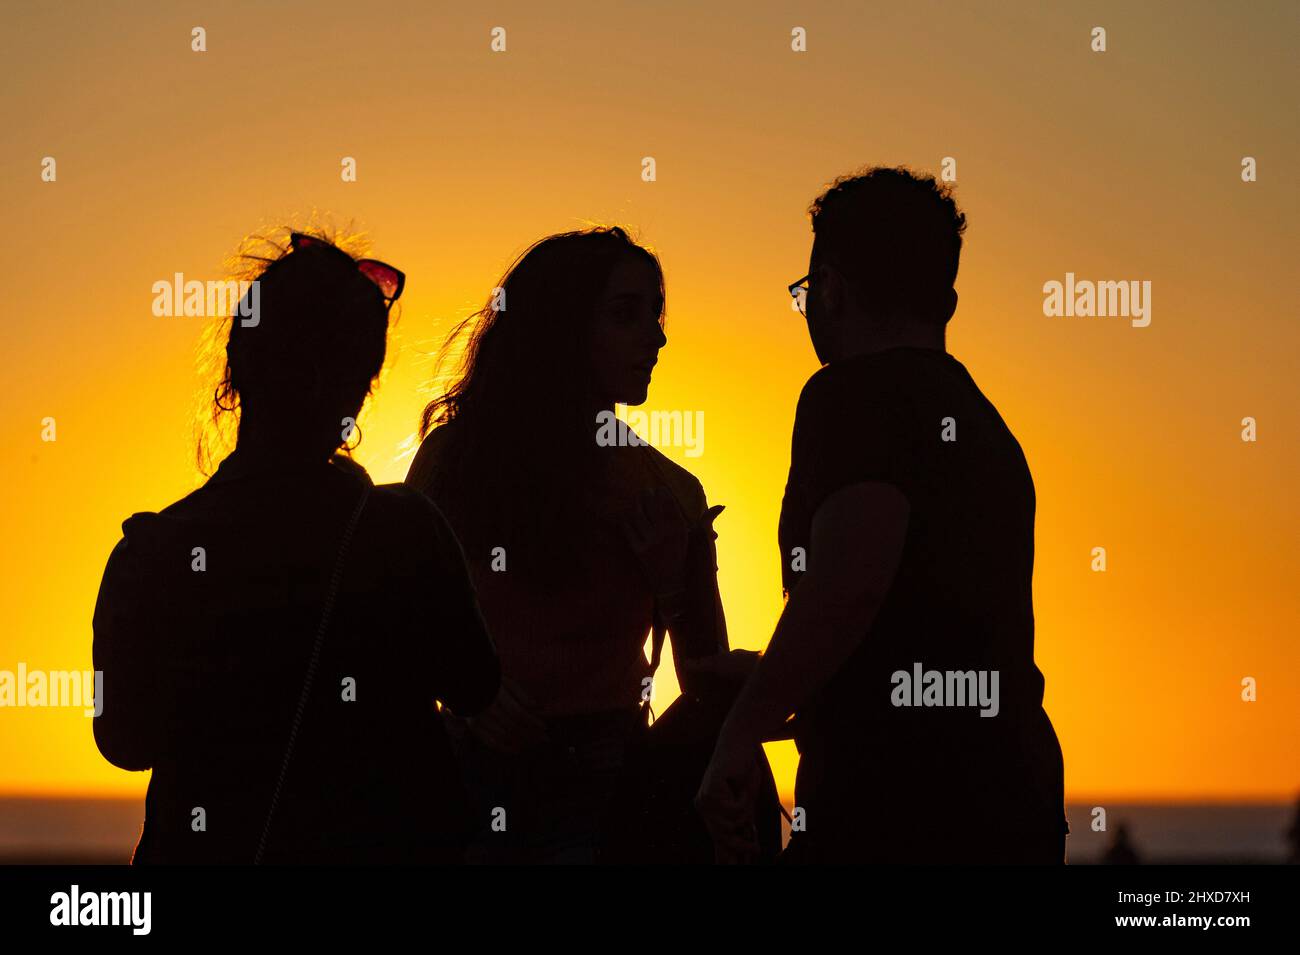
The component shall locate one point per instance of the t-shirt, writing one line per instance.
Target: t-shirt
(912, 781)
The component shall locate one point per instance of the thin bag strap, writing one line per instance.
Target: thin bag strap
(659, 631)
(326, 613)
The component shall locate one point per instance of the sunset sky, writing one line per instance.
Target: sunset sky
(1122, 165)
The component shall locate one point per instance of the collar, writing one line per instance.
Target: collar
(242, 463)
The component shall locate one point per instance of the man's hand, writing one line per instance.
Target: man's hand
(726, 799)
(730, 668)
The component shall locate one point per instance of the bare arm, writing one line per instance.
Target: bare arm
(696, 621)
(127, 728)
(857, 542)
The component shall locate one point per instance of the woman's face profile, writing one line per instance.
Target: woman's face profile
(626, 335)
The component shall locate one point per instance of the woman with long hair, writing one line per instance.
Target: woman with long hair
(263, 641)
(580, 537)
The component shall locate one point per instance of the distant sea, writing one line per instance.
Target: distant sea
(104, 831)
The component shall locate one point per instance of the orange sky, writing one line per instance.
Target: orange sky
(1122, 165)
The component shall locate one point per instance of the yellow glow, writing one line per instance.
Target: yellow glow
(1119, 167)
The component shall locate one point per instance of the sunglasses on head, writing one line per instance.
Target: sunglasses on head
(387, 279)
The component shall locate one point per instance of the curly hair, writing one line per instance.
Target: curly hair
(895, 233)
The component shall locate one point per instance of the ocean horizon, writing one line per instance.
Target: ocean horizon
(103, 831)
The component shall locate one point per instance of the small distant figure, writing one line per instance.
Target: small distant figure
(1121, 851)
(1293, 838)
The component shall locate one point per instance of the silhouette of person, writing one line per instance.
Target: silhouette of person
(906, 539)
(1293, 837)
(209, 611)
(579, 535)
(1121, 850)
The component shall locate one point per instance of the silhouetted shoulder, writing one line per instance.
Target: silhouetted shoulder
(815, 395)
(856, 423)
(685, 486)
(407, 514)
(403, 500)
(876, 379)
(836, 402)
(428, 457)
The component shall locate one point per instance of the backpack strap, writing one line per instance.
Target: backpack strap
(326, 613)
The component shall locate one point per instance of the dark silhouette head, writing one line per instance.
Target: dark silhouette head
(306, 358)
(577, 321)
(574, 326)
(886, 247)
(1121, 850)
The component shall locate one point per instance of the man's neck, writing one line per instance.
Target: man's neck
(909, 336)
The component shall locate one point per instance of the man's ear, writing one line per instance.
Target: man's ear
(829, 284)
(949, 305)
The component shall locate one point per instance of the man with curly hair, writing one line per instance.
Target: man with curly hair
(906, 648)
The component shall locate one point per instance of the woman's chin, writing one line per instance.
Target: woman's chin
(636, 396)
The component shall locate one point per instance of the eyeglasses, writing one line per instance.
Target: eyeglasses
(387, 279)
(799, 292)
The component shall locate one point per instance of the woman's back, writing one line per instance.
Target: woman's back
(204, 654)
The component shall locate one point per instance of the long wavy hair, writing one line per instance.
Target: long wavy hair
(520, 458)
